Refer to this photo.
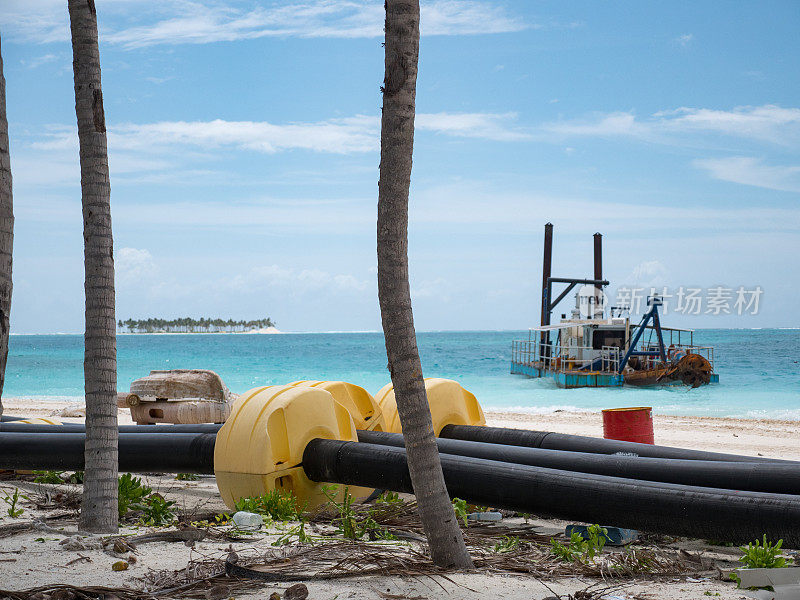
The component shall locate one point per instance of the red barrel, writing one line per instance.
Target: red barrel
(629, 424)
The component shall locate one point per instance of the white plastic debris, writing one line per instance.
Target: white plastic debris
(247, 520)
(485, 516)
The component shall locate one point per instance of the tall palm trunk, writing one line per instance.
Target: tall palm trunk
(397, 144)
(99, 508)
(6, 233)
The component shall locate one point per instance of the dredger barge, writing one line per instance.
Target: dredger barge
(590, 349)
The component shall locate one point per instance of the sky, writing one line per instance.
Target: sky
(244, 150)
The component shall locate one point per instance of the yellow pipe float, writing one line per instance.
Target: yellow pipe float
(450, 404)
(260, 446)
(366, 413)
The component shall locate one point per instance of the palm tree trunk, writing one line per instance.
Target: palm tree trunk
(397, 142)
(6, 233)
(99, 507)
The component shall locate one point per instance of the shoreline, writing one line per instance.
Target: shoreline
(502, 413)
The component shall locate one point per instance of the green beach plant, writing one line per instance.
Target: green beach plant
(278, 505)
(57, 477)
(131, 493)
(346, 521)
(351, 524)
(298, 531)
(389, 498)
(12, 500)
(597, 540)
(460, 508)
(578, 548)
(48, 477)
(763, 555)
(156, 510)
(76, 477)
(572, 550)
(508, 543)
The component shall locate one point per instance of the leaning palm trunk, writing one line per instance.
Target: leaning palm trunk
(99, 508)
(397, 143)
(6, 233)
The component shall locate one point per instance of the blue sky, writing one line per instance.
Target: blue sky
(243, 141)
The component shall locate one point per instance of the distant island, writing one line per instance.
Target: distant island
(201, 325)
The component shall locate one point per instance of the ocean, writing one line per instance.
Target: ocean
(759, 369)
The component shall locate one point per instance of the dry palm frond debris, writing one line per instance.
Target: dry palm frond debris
(74, 592)
(336, 558)
(353, 558)
(402, 520)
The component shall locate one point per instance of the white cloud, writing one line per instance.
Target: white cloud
(134, 148)
(685, 39)
(610, 125)
(48, 22)
(487, 126)
(133, 266)
(767, 123)
(471, 204)
(205, 21)
(140, 275)
(459, 17)
(276, 278)
(752, 171)
(354, 134)
(38, 61)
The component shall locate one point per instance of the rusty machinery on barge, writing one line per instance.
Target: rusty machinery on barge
(595, 349)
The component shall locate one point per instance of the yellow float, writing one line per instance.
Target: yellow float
(260, 446)
(450, 404)
(359, 402)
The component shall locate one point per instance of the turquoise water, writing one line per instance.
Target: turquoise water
(759, 369)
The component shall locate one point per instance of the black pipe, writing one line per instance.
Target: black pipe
(777, 478)
(580, 443)
(657, 507)
(138, 453)
(491, 435)
(12, 427)
(9, 418)
(652, 506)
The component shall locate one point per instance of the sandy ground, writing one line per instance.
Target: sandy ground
(36, 557)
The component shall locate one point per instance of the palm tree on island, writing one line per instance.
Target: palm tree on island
(190, 325)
